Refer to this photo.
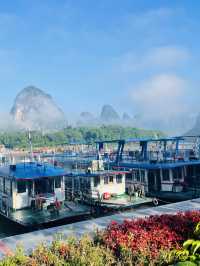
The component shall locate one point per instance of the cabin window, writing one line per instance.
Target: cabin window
(165, 175)
(84, 183)
(137, 176)
(96, 181)
(105, 180)
(7, 186)
(4, 188)
(142, 173)
(30, 188)
(129, 177)
(58, 182)
(44, 185)
(11, 190)
(198, 170)
(87, 183)
(110, 179)
(21, 186)
(177, 173)
(68, 181)
(77, 183)
(119, 179)
(190, 170)
(1, 184)
(133, 176)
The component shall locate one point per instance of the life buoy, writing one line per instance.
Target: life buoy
(106, 195)
(155, 202)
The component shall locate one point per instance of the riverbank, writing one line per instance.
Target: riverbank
(30, 240)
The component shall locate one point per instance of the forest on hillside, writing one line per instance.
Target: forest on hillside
(73, 135)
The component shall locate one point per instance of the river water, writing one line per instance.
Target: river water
(6, 229)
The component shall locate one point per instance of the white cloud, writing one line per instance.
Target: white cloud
(151, 16)
(158, 57)
(161, 95)
(162, 103)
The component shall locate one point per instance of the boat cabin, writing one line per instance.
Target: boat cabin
(175, 177)
(165, 168)
(26, 185)
(97, 184)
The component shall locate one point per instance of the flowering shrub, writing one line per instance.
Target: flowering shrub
(147, 238)
(70, 252)
(142, 242)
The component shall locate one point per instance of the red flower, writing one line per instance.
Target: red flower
(153, 233)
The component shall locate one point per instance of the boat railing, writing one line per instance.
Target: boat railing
(83, 195)
(159, 156)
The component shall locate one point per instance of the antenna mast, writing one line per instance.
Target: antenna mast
(30, 143)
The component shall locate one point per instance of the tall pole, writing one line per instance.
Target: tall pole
(30, 143)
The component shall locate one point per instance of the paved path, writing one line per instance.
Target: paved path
(31, 240)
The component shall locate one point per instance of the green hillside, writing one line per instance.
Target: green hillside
(74, 135)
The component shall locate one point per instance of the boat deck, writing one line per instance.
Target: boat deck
(175, 196)
(28, 217)
(125, 202)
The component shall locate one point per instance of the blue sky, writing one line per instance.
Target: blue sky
(131, 54)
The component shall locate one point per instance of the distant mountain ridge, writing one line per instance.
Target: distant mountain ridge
(108, 116)
(36, 110)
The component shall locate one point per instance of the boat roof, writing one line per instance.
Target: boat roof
(156, 165)
(144, 139)
(31, 171)
(96, 173)
(164, 139)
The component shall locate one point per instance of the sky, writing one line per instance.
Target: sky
(142, 57)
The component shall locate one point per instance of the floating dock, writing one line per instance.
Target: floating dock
(30, 240)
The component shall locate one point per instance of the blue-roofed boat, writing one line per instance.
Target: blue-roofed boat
(165, 168)
(33, 195)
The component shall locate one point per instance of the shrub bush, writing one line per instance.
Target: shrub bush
(139, 242)
(147, 239)
(190, 252)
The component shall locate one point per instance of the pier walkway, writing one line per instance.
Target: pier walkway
(31, 240)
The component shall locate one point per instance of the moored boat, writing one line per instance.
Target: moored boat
(33, 194)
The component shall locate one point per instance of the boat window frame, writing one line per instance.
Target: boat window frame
(111, 179)
(58, 178)
(1, 184)
(142, 175)
(106, 180)
(137, 175)
(7, 186)
(4, 187)
(11, 187)
(96, 181)
(119, 178)
(164, 179)
(129, 176)
(176, 173)
(22, 182)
